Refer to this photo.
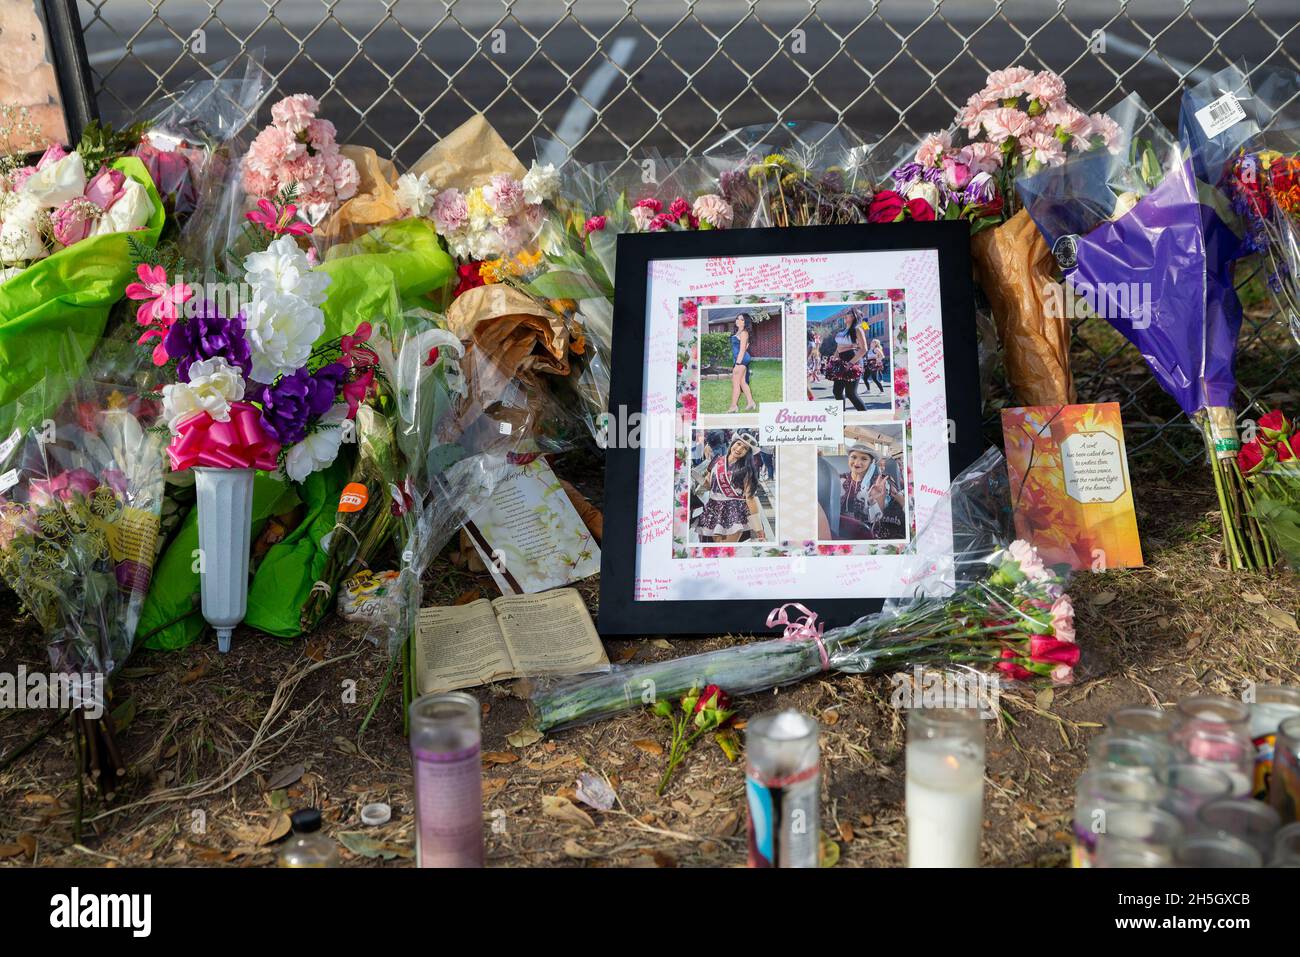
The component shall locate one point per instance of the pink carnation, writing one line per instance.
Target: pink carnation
(1007, 84)
(345, 175)
(1074, 124)
(321, 134)
(1004, 123)
(1042, 149)
(1109, 131)
(932, 147)
(985, 156)
(1063, 618)
(594, 224)
(969, 116)
(714, 210)
(649, 203)
(293, 113)
(450, 211)
(504, 194)
(270, 151)
(1046, 87)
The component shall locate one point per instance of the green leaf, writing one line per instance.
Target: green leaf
(124, 714)
(363, 844)
(564, 285)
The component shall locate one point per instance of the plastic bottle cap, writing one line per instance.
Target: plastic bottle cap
(376, 814)
(306, 820)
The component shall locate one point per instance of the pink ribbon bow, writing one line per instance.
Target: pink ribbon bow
(806, 628)
(241, 443)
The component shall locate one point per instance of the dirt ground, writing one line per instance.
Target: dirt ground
(222, 746)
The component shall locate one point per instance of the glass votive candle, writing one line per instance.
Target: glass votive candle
(1189, 786)
(1251, 821)
(1131, 833)
(1099, 794)
(1117, 749)
(1286, 847)
(1284, 775)
(1221, 746)
(1273, 704)
(445, 746)
(1217, 850)
(945, 787)
(1215, 709)
(1155, 723)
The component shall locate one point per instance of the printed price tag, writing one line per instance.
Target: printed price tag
(8, 480)
(1220, 115)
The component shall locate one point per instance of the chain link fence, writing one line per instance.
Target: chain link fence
(613, 79)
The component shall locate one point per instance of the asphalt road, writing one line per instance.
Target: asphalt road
(408, 71)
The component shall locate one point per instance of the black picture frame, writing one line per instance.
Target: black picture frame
(619, 613)
(67, 49)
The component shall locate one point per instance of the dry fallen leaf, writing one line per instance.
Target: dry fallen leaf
(1044, 699)
(830, 716)
(195, 673)
(846, 832)
(562, 809)
(662, 644)
(491, 758)
(285, 777)
(523, 737)
(649, 746)
(491, 786)
(575, 850)
(1103, 598)
(1279, 618)
(1252, 598)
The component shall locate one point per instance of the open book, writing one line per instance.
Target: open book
(513, 636)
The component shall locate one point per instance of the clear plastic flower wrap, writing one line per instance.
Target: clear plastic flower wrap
(79, 522)
(982, 601)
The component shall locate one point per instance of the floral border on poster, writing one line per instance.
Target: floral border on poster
(688, 362)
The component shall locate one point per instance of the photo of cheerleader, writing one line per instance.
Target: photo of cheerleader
(733, 488)
(853, 361)
(862, 487)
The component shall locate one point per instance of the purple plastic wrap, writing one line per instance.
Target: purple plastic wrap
(1161, 274)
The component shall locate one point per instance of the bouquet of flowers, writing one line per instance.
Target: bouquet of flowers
(1000, 609)
(1147, 246)
(1265, 188)
(1271, 464)
(79, 515)
(1018, 124)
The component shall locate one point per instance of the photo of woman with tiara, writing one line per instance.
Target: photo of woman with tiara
(733, 499)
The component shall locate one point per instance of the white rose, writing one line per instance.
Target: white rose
(320, 448)
(926, 191)
(284, 268)
(20, 236)
(540, 183)
(58, 182)
(280, 329)
(131, 211)
(1124, 203)
(415, 193)
(213, 385)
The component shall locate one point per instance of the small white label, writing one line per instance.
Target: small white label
(1220, 114)
(9, 444)
(801, 423)
(8, 480)
(506, 428)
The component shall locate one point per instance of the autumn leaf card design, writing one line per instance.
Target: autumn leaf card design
(1070, 487)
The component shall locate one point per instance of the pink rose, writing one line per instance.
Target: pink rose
(51, 155)
(71, 221)
(955, 174)
(106, 188)
(1063, 618)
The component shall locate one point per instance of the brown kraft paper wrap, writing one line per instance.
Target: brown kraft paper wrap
(1014, 267)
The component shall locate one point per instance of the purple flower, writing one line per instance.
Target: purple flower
(206, 335)
(289, 406)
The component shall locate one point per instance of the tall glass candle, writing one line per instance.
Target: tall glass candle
(1284, 776)
(445, 746)
(1101, 793)
(1153, 723)
(783, 790)
(945, 787)
(1273, 704)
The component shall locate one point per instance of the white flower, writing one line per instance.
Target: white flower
(59, 182)
(280, 329)
(20, 236)
(284, 268)
(131, 211)
(214, 384)
(486, 244)
(540, 183)
(926, 191)
(415, 193)
(641, 218)
(320, 448)
(1126, 201)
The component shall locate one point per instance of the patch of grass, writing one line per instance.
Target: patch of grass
(764, 382)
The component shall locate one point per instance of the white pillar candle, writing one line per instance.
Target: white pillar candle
(945, 798)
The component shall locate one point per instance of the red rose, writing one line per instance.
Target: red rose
(1251, 458)
(1284, 451)
(886, 207)
(920, 210)
(1053, 651)
(1294, 444)
(469, 277)
(1274, 425)
(713, 697)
